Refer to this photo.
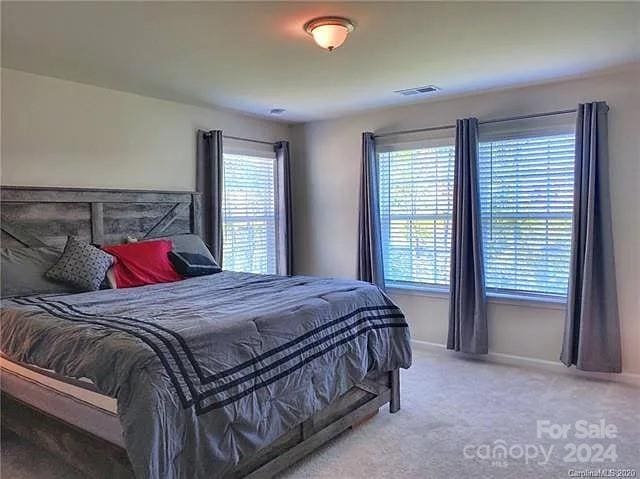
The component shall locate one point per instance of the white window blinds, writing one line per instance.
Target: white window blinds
(526, 194)
(249, 214)
(416, 188)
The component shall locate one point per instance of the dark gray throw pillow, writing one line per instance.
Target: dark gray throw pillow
(81, 265)
(193, 264)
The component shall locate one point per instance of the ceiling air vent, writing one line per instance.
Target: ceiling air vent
(421, 90)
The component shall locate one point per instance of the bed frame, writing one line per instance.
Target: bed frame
(36, 216)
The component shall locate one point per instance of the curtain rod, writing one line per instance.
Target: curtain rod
(496, 120)
(251, 140)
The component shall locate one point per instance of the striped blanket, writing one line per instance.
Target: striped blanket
(208, 370)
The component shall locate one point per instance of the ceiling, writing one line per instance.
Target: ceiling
(255, 56)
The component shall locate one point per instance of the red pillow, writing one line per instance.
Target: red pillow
(146, 262)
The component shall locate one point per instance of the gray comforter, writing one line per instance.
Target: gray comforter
(208, 370)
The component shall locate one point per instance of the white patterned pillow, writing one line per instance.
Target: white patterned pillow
(81, 265)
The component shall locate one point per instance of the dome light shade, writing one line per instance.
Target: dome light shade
(329, 32)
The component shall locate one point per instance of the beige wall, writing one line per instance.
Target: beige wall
(326, 175)
(61, 133)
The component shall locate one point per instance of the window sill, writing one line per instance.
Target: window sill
(532, 301)
(418, 290)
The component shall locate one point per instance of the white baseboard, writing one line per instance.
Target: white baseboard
(521, 361)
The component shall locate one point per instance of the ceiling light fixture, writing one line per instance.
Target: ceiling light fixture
(329, 32)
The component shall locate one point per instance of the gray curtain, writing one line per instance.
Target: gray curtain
(370, 264)
(467, 301)
(285, 216)
(209, 183)
(592, 330)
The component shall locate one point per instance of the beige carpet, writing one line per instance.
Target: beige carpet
(453, 412)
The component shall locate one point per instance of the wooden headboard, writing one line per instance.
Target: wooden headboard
(38, 216)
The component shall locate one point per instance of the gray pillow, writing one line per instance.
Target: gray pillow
(22, 272)
(81, 265)
(189, 243)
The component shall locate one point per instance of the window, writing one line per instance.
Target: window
(526, 195)
(249, 214)
(416, 193)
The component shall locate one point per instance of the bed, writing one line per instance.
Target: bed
(228, 375)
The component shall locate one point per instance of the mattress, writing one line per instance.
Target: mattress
(71, 400)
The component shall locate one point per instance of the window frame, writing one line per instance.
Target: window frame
(525, 132)
(494, 295)
(261, 154)
(425, 143)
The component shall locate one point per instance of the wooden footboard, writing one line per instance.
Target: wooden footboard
(101, 459)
